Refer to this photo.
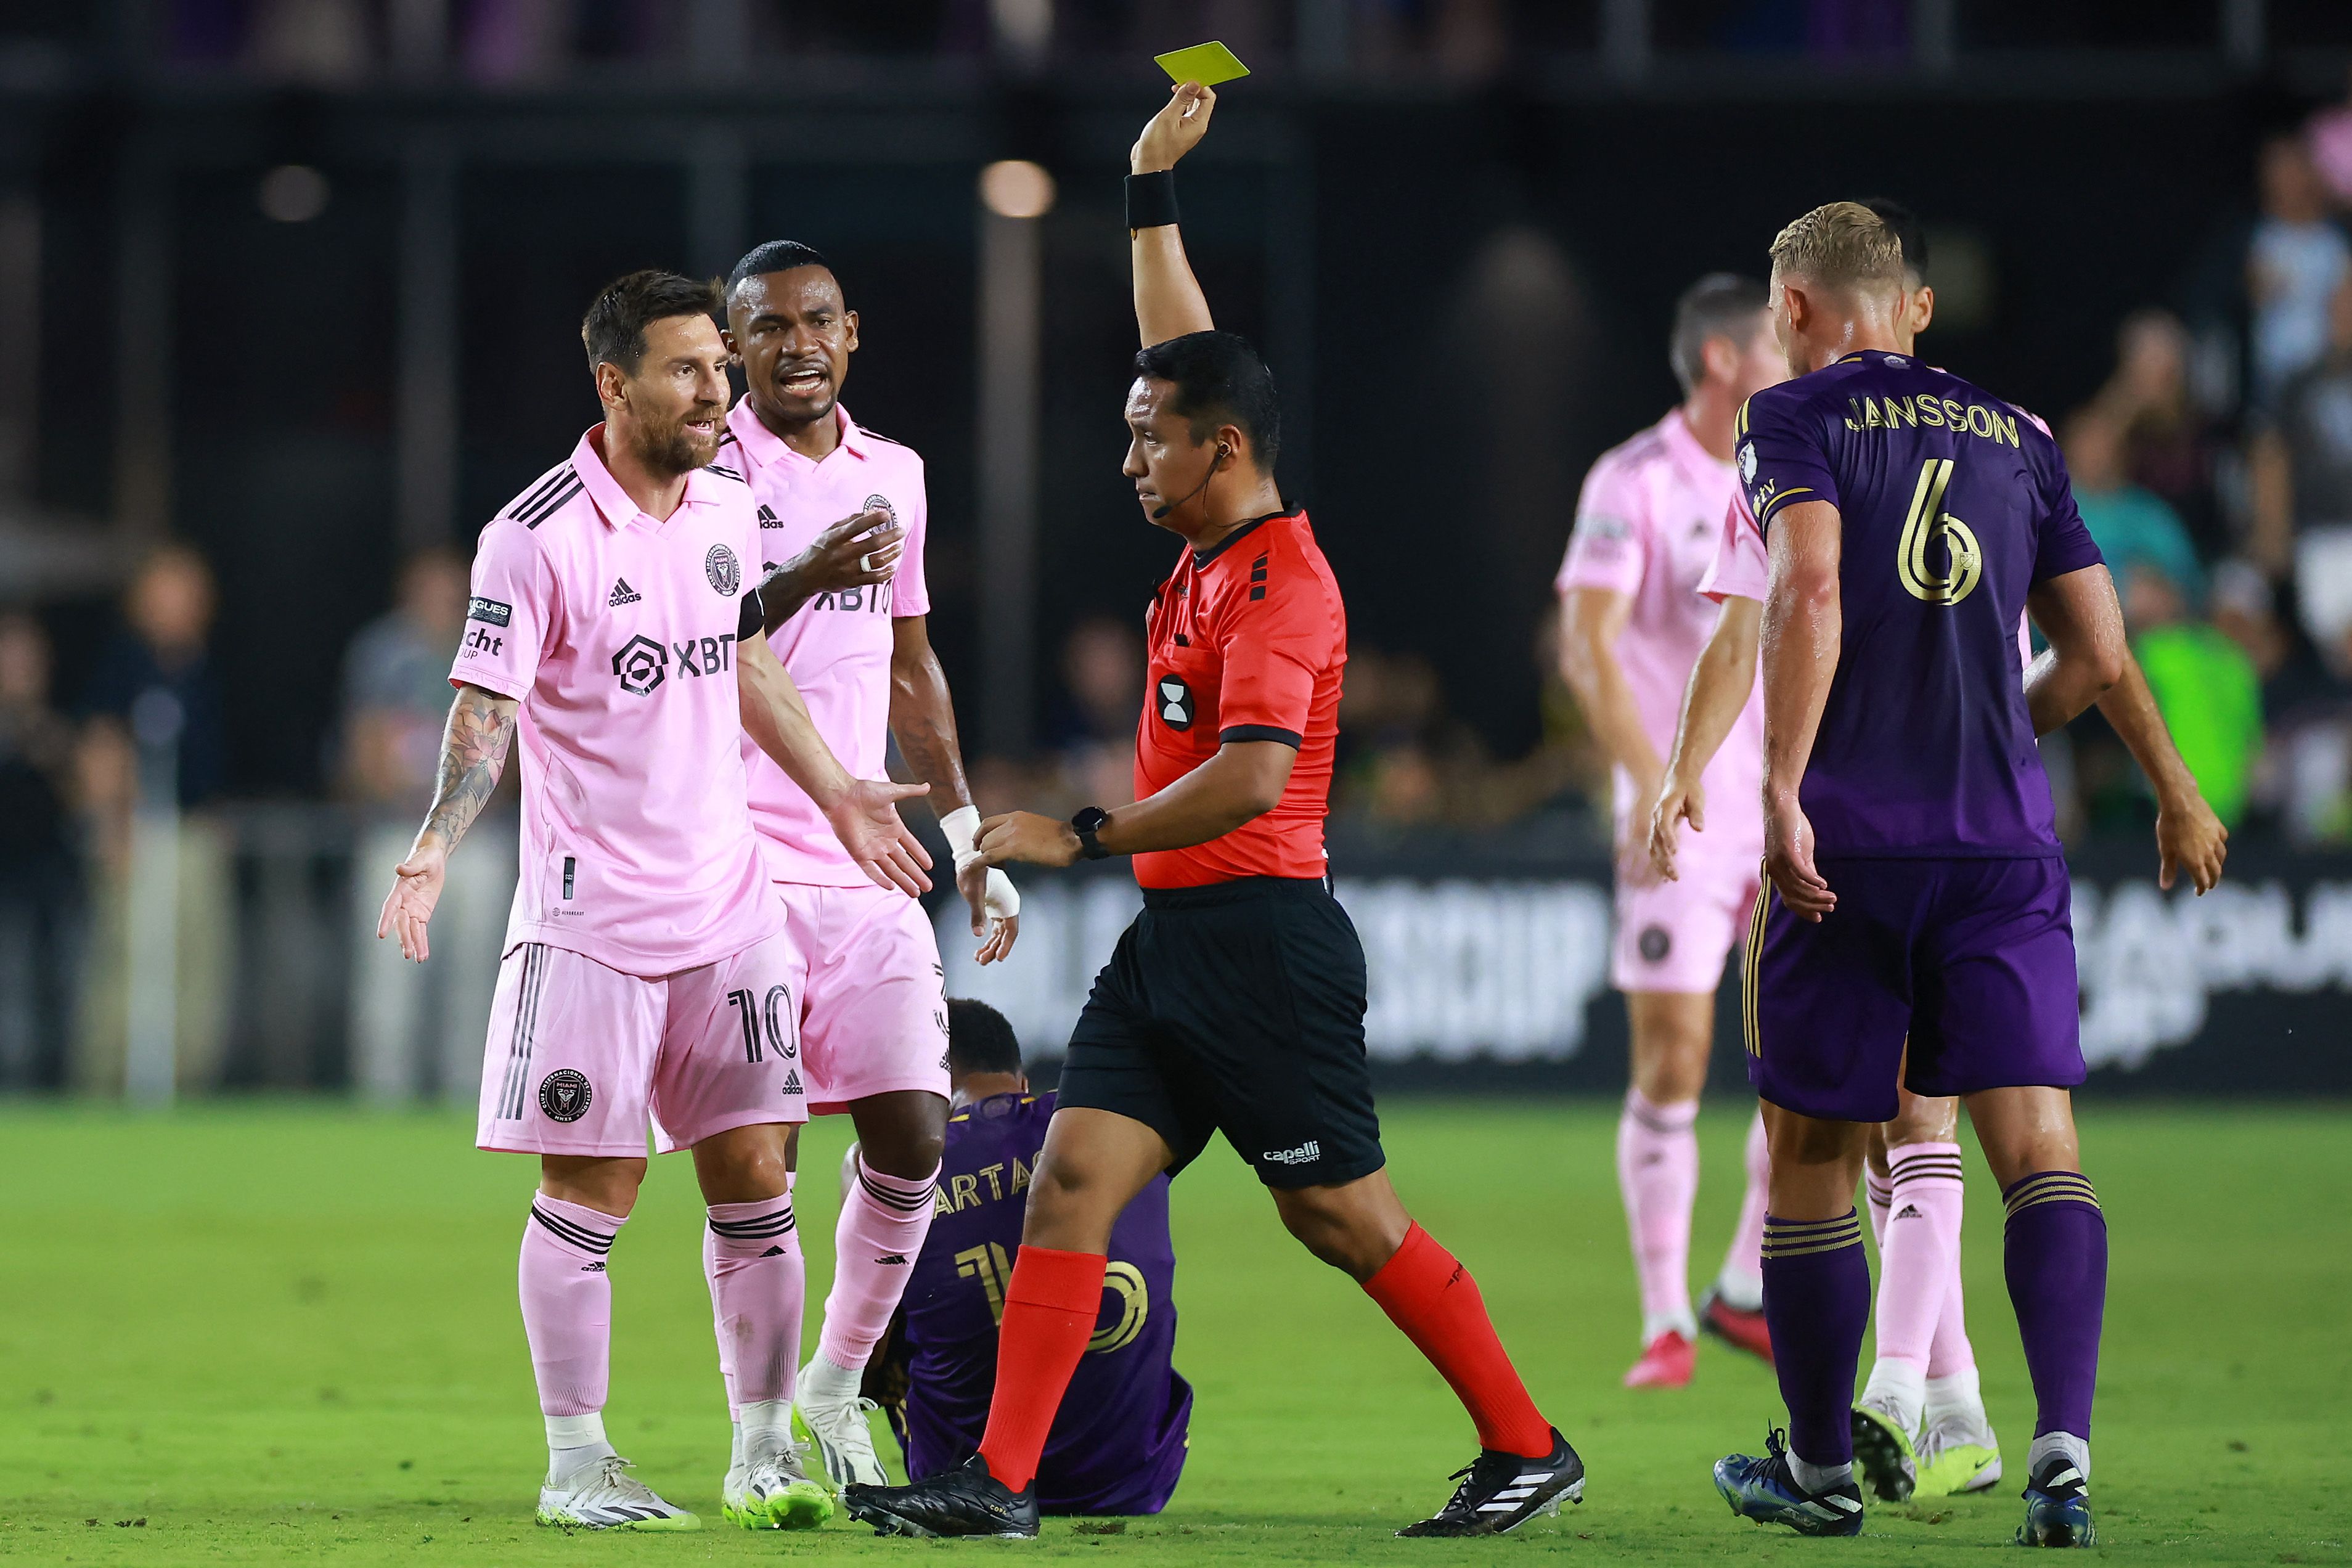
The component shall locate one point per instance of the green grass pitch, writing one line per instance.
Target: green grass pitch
(283, 1333)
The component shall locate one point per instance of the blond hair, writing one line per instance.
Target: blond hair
(1838, 246)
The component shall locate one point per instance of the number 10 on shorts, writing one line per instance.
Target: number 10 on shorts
(775, 1013)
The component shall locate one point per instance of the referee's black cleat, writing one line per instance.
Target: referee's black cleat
(1502, 1491)
(2057, 1507)
(963, 1501)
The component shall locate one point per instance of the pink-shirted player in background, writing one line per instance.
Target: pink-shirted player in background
(649, 972)
(1920, 1426)
(1632, 626)
(845, 605)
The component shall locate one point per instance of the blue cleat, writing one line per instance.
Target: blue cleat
(2057, 1507)
(1763, 1489)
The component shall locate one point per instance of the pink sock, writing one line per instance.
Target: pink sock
(1949, 1353)
(883, 1222)
(1917, 1254)
(752, 1255)
(567, 1303)
(1874, 1188)
(1742, 1283)
(1657, 1170)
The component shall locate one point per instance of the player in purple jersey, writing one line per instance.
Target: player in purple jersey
(1917, 892)
(1920, 1426)
(1118, 1440)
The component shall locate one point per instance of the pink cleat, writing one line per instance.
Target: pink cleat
(1667, 1362)
(1740, 1330)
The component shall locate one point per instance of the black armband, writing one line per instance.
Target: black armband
(1151, 200)
(751, 620)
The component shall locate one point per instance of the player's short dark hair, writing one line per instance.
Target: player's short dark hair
(1719, 305)
(1218, 380)
(615, 328)
(980, 1039)
(1906, 225)
(776, 256)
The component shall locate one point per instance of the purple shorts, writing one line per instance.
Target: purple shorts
(1972, 961)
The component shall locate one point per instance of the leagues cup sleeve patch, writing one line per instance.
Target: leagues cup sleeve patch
(489, 610)
(725, 572)
(564, 1095)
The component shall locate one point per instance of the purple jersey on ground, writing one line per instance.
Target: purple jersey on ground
(1118, 1440)
(1953, 504)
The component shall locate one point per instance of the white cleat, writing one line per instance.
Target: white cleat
(773, 1490)
(603, 1496)
(837, 1430)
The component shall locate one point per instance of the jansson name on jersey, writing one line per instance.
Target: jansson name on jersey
(1866, 413)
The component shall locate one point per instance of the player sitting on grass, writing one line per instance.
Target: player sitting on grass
(1919, 1428)
(1917, 931)
(1236, 1002)
(1118, 1440)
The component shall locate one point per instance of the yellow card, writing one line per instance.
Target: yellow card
(1207, 64)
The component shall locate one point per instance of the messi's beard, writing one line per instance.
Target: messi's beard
(674, 450)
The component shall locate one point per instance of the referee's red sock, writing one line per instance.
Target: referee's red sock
(1050, 1307)
(1433, 1298)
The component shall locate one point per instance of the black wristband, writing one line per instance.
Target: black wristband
(1151, 200)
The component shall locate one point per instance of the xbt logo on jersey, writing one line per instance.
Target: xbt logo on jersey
(642, 664)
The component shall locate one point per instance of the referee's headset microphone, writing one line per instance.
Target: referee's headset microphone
(1159, 514)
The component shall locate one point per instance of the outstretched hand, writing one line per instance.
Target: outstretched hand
(1175, 131)
(415, 890)
(866, 821)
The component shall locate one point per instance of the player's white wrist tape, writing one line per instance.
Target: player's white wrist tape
(1001, 903)
(962, 826)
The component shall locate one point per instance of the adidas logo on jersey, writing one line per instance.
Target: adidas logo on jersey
(768, 519)
(622, 594)
(792, 1080)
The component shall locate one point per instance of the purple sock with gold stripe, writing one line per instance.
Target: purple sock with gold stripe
(2055, 1254)
(1817, 1303)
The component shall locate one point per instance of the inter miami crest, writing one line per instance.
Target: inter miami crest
(564, 1095)
(881, 503)
(725, 572)
(1175, 701)
(1654, 943)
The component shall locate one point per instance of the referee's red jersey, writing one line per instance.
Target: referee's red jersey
(1246, 642)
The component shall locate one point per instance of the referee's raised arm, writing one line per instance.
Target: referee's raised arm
(1168, 298)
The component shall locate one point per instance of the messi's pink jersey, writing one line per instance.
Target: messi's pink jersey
(1646, 527)
(838, 647)
(616, 633)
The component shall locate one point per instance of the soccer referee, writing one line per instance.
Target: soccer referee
(1236, 1002)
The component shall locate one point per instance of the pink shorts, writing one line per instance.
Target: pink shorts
(873, 1013)
(581, 1057)
(1673, 936)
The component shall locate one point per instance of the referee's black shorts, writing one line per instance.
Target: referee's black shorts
(1237, 1006)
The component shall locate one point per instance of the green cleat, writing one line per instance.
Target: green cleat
(1883, 1453)
(1957, 1455)
(773, 1491)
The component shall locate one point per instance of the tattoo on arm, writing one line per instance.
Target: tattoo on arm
(473, 754)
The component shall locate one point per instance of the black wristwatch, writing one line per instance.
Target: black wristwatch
(1086, 825)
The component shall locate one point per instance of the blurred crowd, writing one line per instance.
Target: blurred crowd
(495, 42)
